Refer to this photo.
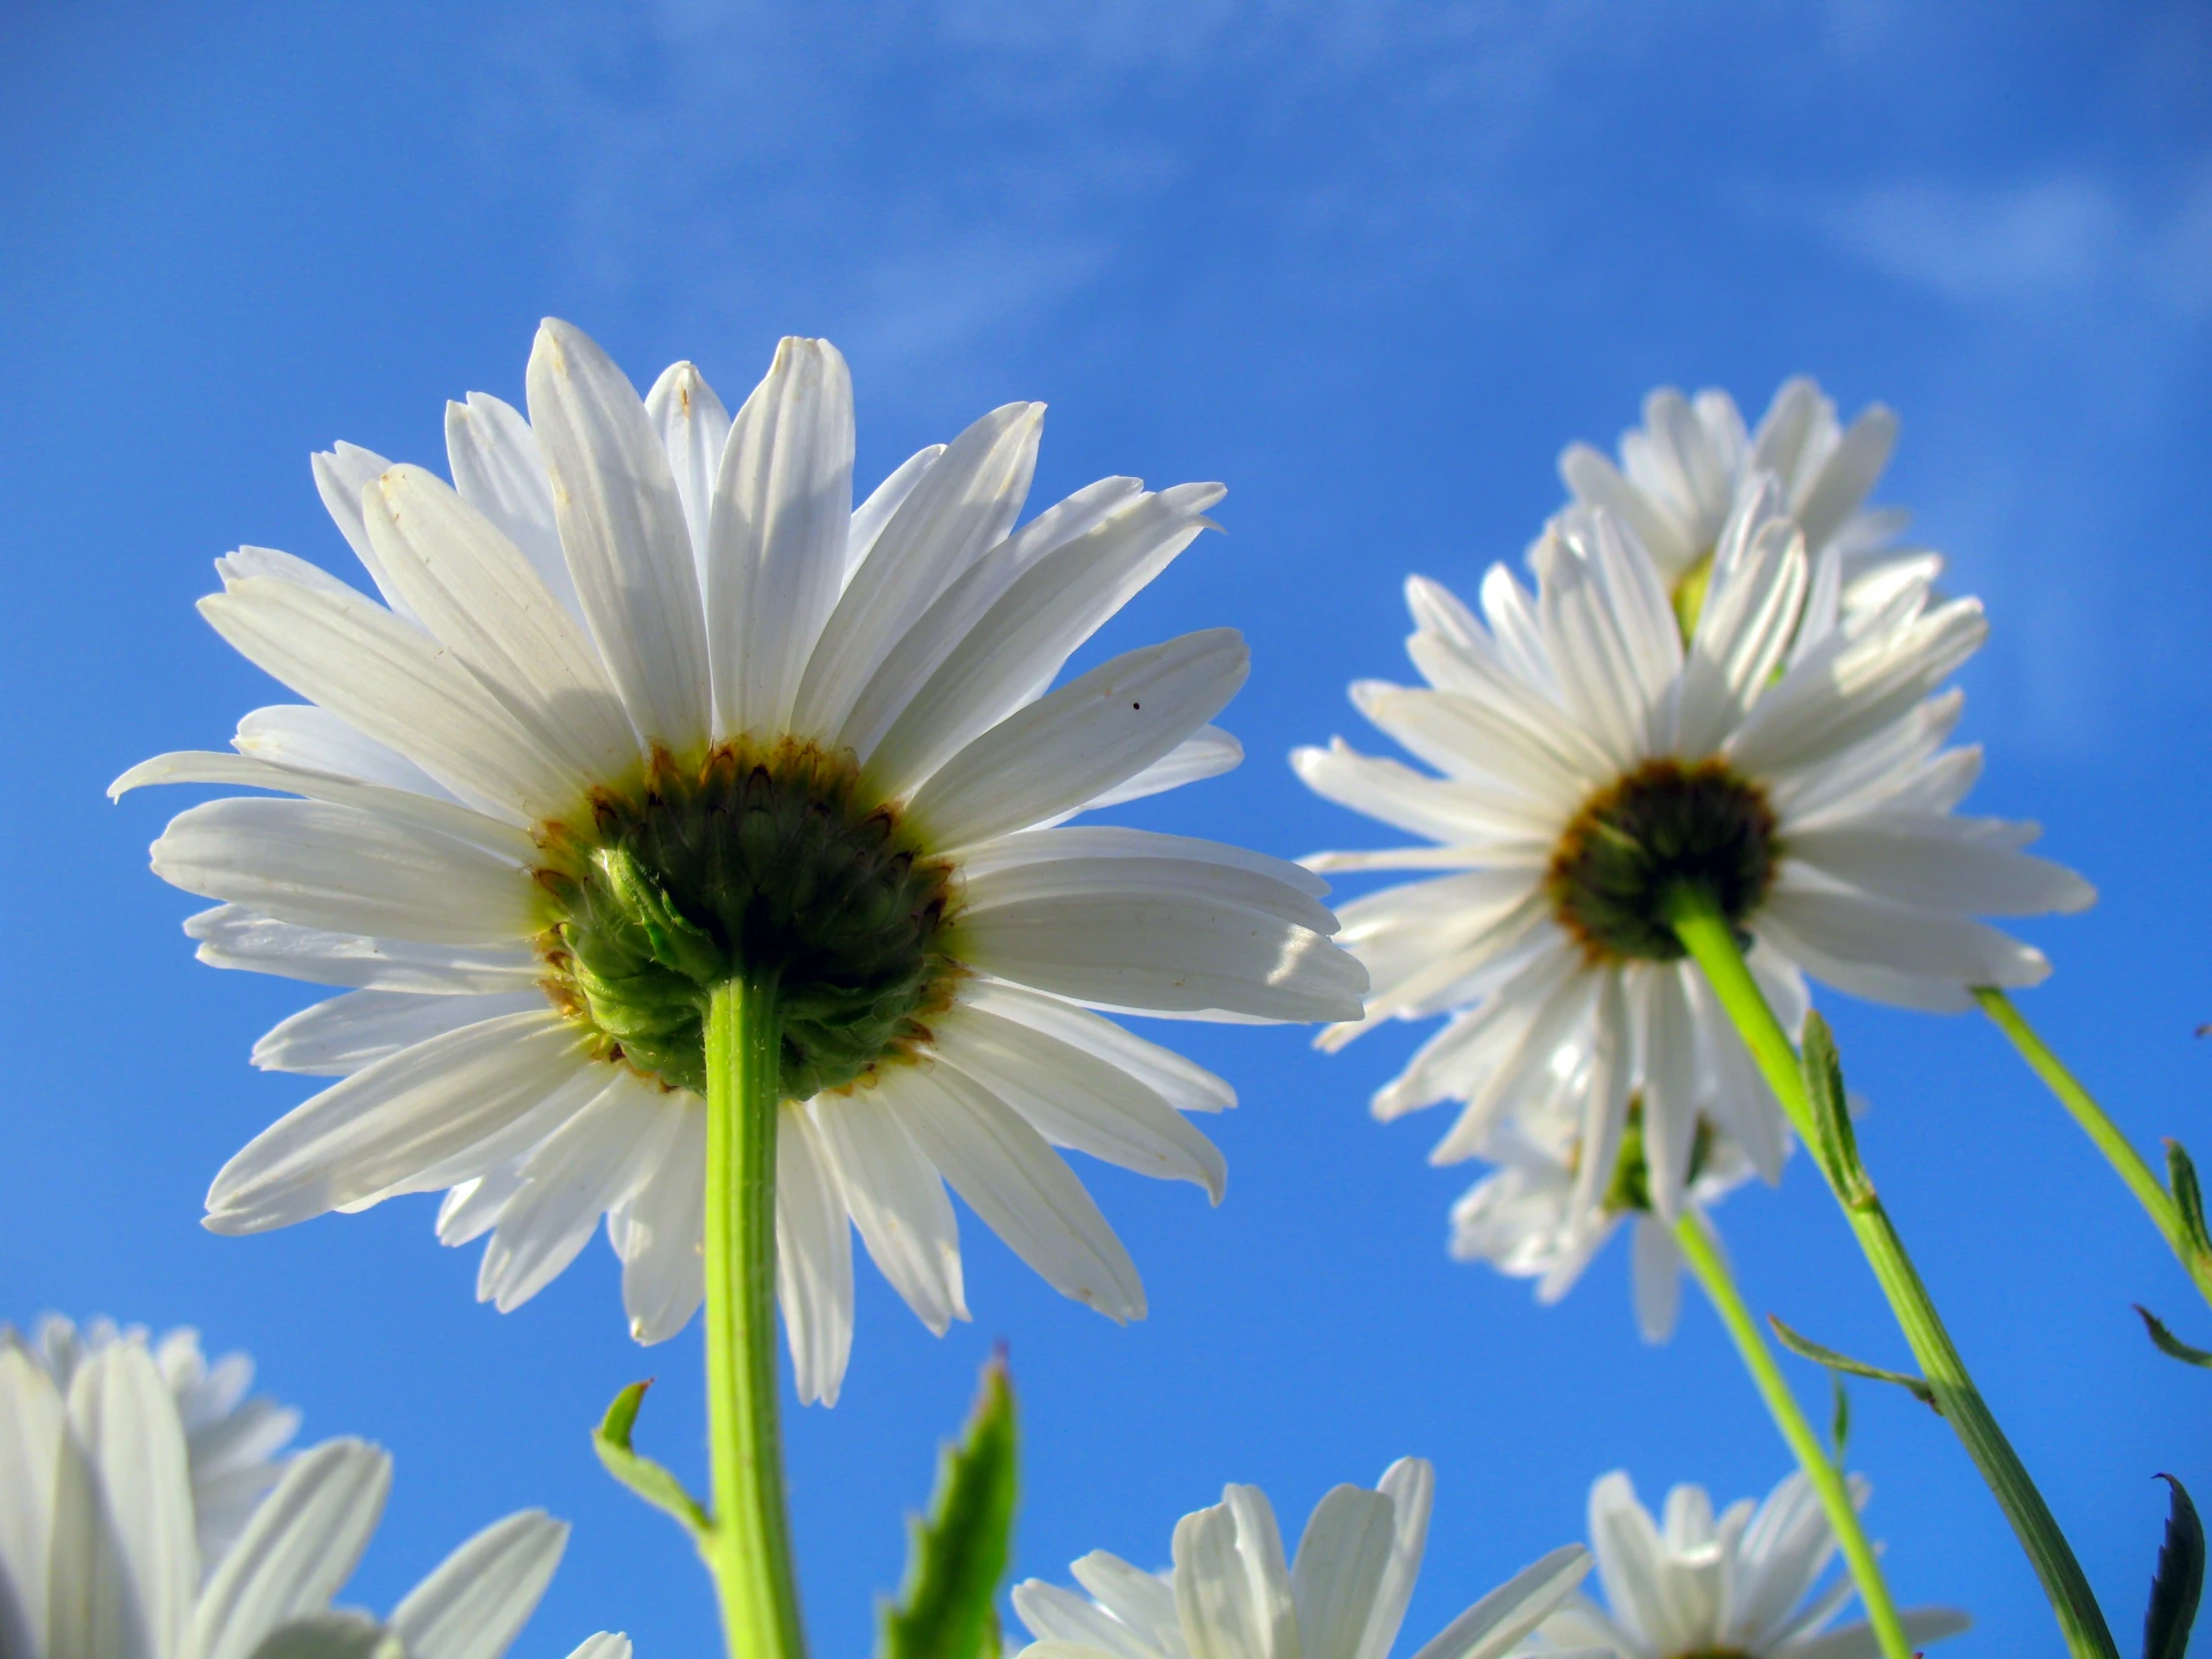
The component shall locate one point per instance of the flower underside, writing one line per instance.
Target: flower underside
(1688, 597)
(762, 864)
(1638, 843)
(1630, 1189)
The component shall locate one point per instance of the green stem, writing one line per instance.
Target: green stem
(1711, 1271)
(2126, 1162)
(748, 1547)
(1705, 934)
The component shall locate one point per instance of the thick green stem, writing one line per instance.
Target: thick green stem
(748, 1547)
(1705, 934)
(2126, 1162)
(1711, 1271)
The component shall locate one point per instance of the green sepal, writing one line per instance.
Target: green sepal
(1837, 1150)
(2167, 1342)
(650, 1480)
(957, 1554)
(678, 943)
(2181, 1177)
(2179, 1581)
(1806, 1348)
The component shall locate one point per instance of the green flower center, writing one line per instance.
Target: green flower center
(753, 863)
(1664, 828)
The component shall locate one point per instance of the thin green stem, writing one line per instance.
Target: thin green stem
(1710, 1268)
(749, 1549)
(1705, 934)
(2126, 1162)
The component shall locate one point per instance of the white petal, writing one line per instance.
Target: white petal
(470, 1210)
(1024, 1191)
(586, 1167)
(1183, 1085)
(478, 593)
(813, 1260)
(1074, 1099)
(1083, 739)
(124, 1561)
(622, 526)
(604, 1645)
(1105, 860)
(500, 471)
(479, 1598)
(1054, 1614)
(1656, 1268)
(1492, 1625)
(870, 517)
(1143, 1601)
(400, 1117)
(444, 816)
(1411, 1485)
(1207, 753)
(298, 1550)
(664, 1273)
(776, 543)
(1848, 475)
(232, 936)
(958, 509)
(1232, 1588)
(897, 1200)
(347, 869)
(1933, 865)
(694, 428)
(315, 739)
(1852, 927)
(1444, 809)
(390, 682)
(1858, 1641)
(33, 1425)
(340, 474)
(340, 1037)
(1022, 643)
(1339, 1570)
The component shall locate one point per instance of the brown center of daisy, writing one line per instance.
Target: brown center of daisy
(749, 862)
(1666, 827)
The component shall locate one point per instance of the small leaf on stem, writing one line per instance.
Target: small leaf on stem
(1840, 1424)
(1806, 1348)
(650, 1480)
(960, 1551)
(2167, 1342)
(2181, 1176)
(1837, 1150)
(2174, 1588)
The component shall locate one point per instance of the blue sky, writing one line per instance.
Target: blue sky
(1370, 264)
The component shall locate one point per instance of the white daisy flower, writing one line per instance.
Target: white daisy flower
(100, 1558)
(649, 703)
(1231, 1594)
(233, 1441)
(1523, 1220)
(1787, 767)
(1682, 471)
(1694, 1588)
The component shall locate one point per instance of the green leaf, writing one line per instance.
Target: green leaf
(1840, 1425)
(1805, 1348)
(2174, 1588)
(650, 1480)
(1837, 1150)
(2181, 1176)
(2168, 1343)
(958, 1554)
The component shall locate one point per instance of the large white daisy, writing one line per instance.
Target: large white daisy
(99, 1557)
(1681, 473)
(1693, 1585)
(233, 1441)
(1785, 767)
(650, 702)
(1233, 1595)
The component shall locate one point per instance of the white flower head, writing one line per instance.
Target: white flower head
(235, 1441)
(650, 702)
(1523, 1219)
(1743, 1584)
(1683, 472)
(100, 1555)
(1233, 1595)
(1786, 765)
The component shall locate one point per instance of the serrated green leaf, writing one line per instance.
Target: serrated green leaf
(2181, 1178)
(1806, 1349)
(2179, 1581)
(1837, 1150)
(650, 1480)
(960, 1551)
(2168, 1343)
